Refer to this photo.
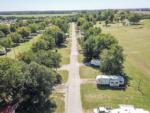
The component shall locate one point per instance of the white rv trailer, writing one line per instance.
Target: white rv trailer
(2, 51)
(95, 62)
(121, 109)
(110, 80)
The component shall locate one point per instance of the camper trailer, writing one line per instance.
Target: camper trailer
(121, 109)
(110, 80)
(2, 51)
(95, 62)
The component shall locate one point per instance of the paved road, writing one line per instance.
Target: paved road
(73, 98)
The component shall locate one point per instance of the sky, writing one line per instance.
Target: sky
(40, 5)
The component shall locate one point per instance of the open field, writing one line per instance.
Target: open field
(23, 47)
(92, 97)
(36, 15)
(136, 42)
(88, 72)
(64, 75)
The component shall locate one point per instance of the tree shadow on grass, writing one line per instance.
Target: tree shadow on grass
(62, 46)
(106, 87)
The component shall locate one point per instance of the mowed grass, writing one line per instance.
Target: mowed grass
(89, 72)
(23, 47)
(65, 52)
(58, 99)
(136, 42)
(92, 97)
(64, 75)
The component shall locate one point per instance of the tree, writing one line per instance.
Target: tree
(60, 37)
(40, 45)
(4, 28)
(106, 22)
(134, 17)
(48, 58)
(7, 43)
(50, 40)
(52, 30)
(15, 37)
(56, 33)
(92, 31)
(28, 85)
(61, 23)
(39, 88)
(24, 31)
(80, 21)
(13, 27)
(42, 25)
(86, 25)
(12, 80)
(88, 47)
(1, 34)
(104, 41)
(107, 14)
(112, 60)
(33, 27)
(26, 57)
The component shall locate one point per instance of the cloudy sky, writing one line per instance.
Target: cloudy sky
(23, 5)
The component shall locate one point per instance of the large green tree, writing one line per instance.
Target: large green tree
(15, 37)
(112, 60)
(29, 85)
(24, 31)
(5, 29)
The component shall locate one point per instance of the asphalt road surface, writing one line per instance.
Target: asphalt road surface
(73, 98)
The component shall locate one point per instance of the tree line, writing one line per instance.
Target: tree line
(28, 81)
(97, 45)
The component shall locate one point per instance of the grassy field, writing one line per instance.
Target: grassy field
(64, 75)
(88, 72)
(92, 97)
(36, 15)
(65, 52)
(22, 47)
(136, 42)
(58, 98)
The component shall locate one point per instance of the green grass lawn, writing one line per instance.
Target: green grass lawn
(89, 72)
(92, 97)
(58, 98)
(64, 75)
(147, 23)
(23, 47)
(135, 40)
(65, 52)
(80, 58)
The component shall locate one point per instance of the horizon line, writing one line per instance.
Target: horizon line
(71, 10)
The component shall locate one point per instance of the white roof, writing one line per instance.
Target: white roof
(126, 109)
(109, 77)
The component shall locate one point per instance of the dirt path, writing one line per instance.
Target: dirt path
(73, 98)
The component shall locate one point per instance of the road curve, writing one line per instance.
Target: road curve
(73, 98)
